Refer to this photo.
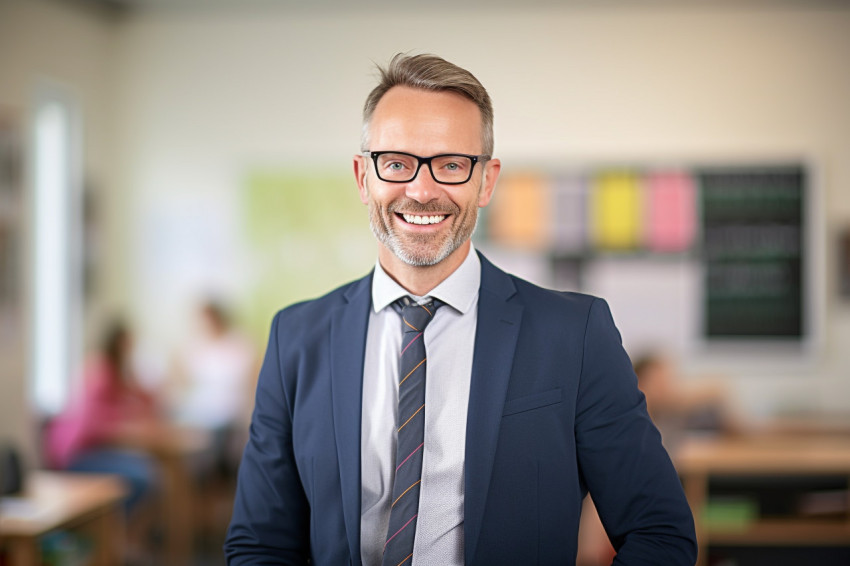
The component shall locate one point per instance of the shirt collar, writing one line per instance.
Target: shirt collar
(459, 290)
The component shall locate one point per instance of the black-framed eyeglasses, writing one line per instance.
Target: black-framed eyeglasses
(446, 168)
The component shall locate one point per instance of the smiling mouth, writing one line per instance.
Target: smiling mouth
(422, 220)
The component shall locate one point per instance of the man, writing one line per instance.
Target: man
(530, 399)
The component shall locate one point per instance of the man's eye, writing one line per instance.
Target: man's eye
(396, 166)
(454, 166)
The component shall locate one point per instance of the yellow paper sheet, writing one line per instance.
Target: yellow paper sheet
(616, 211)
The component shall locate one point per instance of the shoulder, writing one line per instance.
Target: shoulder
(579, 312)
(554, 298)
(315, 314)
(535, 298)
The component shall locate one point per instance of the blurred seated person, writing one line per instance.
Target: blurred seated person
(87, 436)
(680, 407)
(217, 370)
(677, 408)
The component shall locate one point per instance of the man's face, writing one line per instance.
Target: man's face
(423, 222)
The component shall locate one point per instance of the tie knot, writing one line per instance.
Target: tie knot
(416, 317)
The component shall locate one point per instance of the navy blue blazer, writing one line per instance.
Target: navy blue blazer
(554, 411)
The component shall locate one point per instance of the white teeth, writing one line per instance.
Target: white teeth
(412, 219)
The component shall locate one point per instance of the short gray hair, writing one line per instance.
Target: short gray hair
(429, 72)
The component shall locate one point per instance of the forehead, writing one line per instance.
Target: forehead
(425, 122)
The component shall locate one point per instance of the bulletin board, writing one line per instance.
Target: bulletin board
(753, 223)
(736, 233)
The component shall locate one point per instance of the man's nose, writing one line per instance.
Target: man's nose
(423, 188)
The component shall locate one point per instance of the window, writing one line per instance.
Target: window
(56, 276)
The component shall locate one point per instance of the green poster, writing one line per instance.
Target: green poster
(307, 234)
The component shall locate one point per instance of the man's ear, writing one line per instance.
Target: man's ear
(488, 181)
(360, 170)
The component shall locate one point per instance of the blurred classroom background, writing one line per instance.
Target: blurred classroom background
(172, 172)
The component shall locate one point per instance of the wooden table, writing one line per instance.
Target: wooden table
(697, 460)
(57, 500)
(171, 446)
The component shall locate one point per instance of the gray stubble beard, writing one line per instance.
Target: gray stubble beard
(385, 235)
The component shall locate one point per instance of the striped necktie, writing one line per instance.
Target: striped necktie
(398, 549)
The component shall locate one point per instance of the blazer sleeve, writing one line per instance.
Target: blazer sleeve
(271, 515)
(627, 470)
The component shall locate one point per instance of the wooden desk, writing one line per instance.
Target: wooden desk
(768, 455)
(58, 500)
(172, 446)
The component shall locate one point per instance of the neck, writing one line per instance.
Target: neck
(420, 281)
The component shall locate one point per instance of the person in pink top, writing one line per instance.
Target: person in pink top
(85, 437)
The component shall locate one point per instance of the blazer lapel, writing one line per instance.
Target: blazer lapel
(347, 349)
(495, 343)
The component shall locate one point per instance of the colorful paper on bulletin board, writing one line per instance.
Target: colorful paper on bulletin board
(519, 214)
(569, 221)
(615, 211)
(671, 211)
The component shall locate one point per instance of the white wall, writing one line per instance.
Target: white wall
(69, 44)
(180, 104)
(208, 95)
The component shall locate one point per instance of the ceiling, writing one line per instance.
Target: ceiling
(336, 5)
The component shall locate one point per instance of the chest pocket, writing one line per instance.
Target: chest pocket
(531, 402)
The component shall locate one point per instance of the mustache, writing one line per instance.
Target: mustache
(411, 206)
